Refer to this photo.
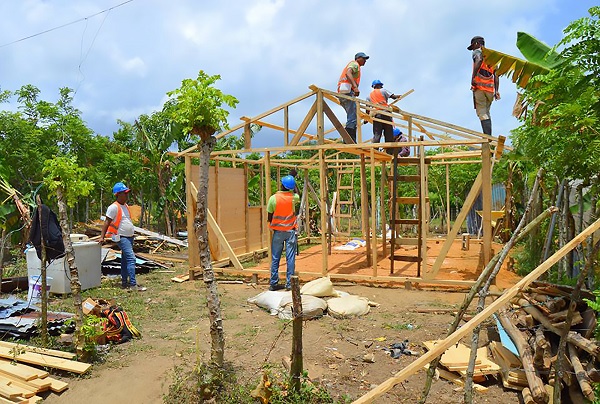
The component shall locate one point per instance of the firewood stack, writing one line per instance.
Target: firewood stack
(534, 322)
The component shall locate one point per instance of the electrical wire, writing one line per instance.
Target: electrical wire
(66, 25)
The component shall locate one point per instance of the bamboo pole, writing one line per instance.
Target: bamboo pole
(477, 319)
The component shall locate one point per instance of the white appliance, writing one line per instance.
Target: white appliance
(87, 258)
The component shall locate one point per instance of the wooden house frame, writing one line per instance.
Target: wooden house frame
(237, 229)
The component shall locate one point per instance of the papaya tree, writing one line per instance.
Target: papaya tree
(63, 176)
(197, 106)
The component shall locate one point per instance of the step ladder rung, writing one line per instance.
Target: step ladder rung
(407, 200)
(405, 221)
(344, 215)
(345, 202)
(345, 187)
(346, 172)
(399, 241)
(406, 258)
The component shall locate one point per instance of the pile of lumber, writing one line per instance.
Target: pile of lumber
(20, 383)
(455, 360)
(530, 329)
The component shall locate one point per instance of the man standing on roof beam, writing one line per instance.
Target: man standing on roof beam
(484, 84)
(380, 96)
(348, 85)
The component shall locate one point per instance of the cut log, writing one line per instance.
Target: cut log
(580, 374)
(536, 386)
(527, 397)
(556, 305)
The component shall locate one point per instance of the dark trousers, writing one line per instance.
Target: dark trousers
(386, 128)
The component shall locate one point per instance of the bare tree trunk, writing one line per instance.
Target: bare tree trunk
(75, 284)
(217, 351)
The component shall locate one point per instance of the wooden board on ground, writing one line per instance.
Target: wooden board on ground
(20, 371)
(45, 351)
(488, 367)
(457, 356)
(511, 372)
(457, 379)
(57, 386)
(45, 360)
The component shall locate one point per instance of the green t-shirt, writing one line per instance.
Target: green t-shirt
(272, 202)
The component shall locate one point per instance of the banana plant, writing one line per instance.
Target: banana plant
(541, 58)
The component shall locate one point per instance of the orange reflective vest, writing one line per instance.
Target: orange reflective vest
(284, 217)
(344, 78)
(377, 97)
(113, 227)
(484, 79)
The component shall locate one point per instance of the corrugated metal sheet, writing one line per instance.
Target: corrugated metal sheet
(498, 198)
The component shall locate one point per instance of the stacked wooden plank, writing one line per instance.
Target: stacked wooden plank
(20, 383)
(455, 360)
(535, 320)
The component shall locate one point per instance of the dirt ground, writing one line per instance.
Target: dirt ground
(173, 320)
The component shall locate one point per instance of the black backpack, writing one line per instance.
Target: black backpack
(50, 228)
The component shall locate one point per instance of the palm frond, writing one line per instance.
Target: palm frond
(518, 70)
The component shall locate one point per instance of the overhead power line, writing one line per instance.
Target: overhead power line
(67, 24)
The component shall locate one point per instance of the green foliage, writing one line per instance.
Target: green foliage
(197, 104)
(537, 52)
(64, 172)
(595, 305)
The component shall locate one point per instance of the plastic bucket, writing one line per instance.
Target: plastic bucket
(34, 294)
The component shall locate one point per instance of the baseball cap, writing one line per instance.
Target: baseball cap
(360, 55)
(474, 40)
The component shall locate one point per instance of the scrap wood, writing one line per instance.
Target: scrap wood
(160, 236)
(487, 366)
(455, 357)
(511, 369)
(156, 257)
(580, 374)
(456, 379)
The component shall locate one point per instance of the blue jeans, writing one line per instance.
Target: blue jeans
(291, 244)
(350, 107)
(127, 261)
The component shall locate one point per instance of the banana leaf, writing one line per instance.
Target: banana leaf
(518, 70)
(535, 51)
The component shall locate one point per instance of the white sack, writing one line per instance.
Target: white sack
(270, 300)
(312, 307)
(348, 306)
(321, 287)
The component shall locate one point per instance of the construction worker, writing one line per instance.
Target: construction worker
(119, 227)
(348, 85)
(484, 84)
(282, 212)
(399, 137)
(380, 96)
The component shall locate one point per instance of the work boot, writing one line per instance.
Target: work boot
(352, 133)
(276, 287)
(486, 125)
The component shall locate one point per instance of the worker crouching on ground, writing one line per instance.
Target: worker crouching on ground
(282, 212)
(380, 96)
(348, 85)
(119, 227)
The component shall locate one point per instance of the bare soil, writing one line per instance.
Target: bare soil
(173, 320)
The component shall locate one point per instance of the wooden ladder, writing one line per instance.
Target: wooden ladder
(343, 207)
(415, 201)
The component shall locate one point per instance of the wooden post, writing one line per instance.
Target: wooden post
(286, 125)
(246, 209)
(263, 209)
(486, 190)
(217, 197)
(190, 212)
(424, 211)
(306, 205)
(508, 294)
(296, 366)
(364, 202)
(323, 195)
(320, 119)
(373, 214)
(447, 199)
(358, 124)
(267, 197)
(382, 209)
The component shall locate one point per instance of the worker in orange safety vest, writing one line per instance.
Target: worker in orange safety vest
(380, 96)
(119, 227)
(484, 84)
(282, 210)
(348, 85)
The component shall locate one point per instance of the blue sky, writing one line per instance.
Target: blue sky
(121, 63)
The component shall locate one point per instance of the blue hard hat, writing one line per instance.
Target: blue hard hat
(120, 187)
(289, 182)
(397, 132)
(376, 82)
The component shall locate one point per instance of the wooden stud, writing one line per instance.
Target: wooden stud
(447, 199)
(286, 125)
(246, 208)
(306, 205)
(190, 211)
(324, 219)
(486, 190)
(267, 160)
(424, 212)
(373, 214)
(364, 201)
(320, 119)
(382, 217)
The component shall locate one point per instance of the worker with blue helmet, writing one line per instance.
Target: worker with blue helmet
(282, 209)
(382, 122)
